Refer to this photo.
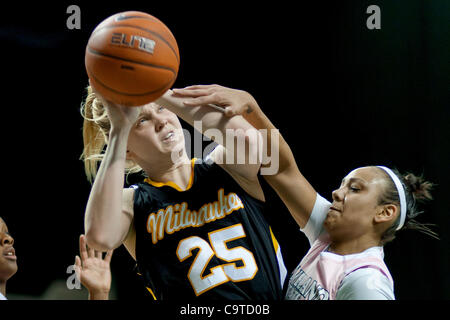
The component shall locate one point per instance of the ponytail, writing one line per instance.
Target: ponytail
(420, 191)
(96, 127)
(417, 191)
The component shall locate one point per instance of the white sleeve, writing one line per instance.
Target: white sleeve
(314, 226)
(365, 284)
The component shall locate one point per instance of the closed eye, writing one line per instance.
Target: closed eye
(141, 120)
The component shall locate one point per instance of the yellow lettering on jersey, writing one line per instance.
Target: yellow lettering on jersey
(177, 217)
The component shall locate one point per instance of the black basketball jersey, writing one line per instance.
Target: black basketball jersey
(210, 241)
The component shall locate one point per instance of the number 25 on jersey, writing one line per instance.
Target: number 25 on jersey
(217, 246)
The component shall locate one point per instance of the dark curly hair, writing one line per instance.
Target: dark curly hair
(417, 191)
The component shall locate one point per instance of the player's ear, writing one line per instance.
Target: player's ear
(386, 213)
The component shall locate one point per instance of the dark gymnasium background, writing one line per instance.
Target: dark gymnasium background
(342, 95)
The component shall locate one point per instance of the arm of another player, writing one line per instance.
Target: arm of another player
(93, 271)
(239, 139)
(291, 186)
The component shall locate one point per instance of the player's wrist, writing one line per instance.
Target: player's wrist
(99, 294)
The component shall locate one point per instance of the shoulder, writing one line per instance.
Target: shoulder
(314, 227)
(205, 165)
(139, 196)
(229, 173)
(365, 284)
(235, 162)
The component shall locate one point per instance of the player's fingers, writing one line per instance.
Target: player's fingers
(108, 256)
(199, 101)
(230, 112)
(91, 252)
(200, 86)
(77, 262)
(77, 266)
(191, 92)
(214, 98)
(83, 251)
(98, 254)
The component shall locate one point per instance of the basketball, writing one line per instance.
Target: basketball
(132, 58)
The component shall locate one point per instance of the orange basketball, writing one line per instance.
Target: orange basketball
(132, 58)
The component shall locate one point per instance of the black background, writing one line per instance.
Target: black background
(342, 95)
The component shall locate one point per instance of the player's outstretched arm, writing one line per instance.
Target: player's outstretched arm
(296, 192)
(239, 139)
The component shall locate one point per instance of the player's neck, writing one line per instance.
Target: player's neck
(178, 172)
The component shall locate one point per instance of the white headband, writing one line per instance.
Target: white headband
(401, 193)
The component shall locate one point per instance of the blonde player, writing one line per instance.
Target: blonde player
(195, 228)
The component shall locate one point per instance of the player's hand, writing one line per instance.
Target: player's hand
(233, 101)
(121, 116)
(93, 271)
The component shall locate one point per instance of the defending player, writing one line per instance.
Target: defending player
(347, 237)
(8, 258)
(95, 273)
(195, 229)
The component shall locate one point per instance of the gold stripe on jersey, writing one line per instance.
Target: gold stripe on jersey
(173, 184)
(274, 240)
(279, 256)
(153, 295)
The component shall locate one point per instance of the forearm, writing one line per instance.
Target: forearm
(232, 133)
(256, 117)
(291, 186)
(103, 225)
(208, 117)
(239, 139)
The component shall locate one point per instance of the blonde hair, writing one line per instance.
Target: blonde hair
(96, 127)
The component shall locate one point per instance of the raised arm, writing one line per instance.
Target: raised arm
(215, 125)
(291, 186)
(109, 211)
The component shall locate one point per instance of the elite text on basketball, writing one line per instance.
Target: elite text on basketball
(133, 41)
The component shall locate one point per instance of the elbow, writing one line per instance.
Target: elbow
(254, 141)
(99, 242)
(248, 146)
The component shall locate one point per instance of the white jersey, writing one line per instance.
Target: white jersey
(324, 275)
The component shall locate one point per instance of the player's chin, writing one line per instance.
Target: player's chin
(176, 151)
(8, 266)
(330, 221)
